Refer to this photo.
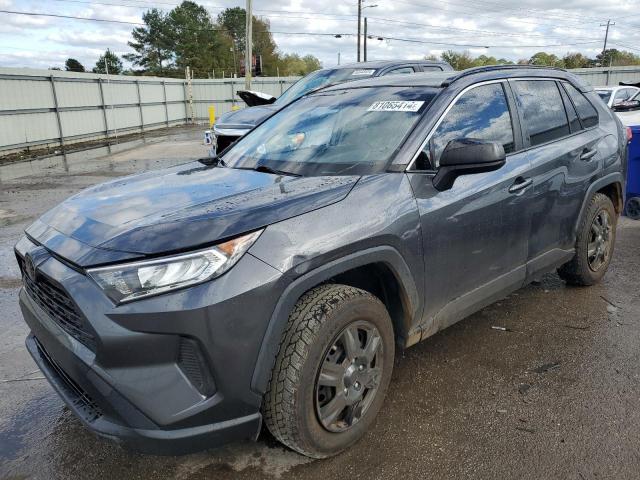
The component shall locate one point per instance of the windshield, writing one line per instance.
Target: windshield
(321, 78)
(605, 95)
(353, 131)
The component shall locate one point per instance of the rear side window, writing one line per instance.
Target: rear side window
(428, 68)
(543, 113)
(587, 112)
(481, 113)
(400, 71)
(574, 123)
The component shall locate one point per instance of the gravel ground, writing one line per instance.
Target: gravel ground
(555, 396)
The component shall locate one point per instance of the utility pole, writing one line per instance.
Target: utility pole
(365, 39)
(359, 21)
(248, 54)
(606, 36)
(338, 58)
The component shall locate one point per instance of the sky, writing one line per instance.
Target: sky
(500, 28)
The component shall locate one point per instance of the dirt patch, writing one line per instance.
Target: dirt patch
(7, 283)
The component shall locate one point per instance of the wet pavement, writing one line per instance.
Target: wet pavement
(555, 395)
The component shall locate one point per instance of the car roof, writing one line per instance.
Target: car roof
(446, 78)
(376, 64)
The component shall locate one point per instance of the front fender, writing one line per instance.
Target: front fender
(386, 255)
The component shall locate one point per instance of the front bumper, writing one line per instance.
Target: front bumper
(141, 381)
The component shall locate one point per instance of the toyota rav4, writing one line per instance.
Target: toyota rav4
(180, 309)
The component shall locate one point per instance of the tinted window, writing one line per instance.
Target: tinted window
(400, 71)
(481, 113)
(587, 112)
(543, 114)
(574, 123)
(428, 68)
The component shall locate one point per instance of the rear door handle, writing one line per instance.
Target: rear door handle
(588, 154)
(520, 184)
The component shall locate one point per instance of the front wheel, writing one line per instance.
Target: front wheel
(594, 244)
(332, 371)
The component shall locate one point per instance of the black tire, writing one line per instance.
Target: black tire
(633, 208)
(581, 270)
(291, 407)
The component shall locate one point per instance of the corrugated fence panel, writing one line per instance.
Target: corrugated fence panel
(24, 94)
(27, 129)
(82, 122)
(78, 94)
(153, 114)
(28, 117)
(151, 92)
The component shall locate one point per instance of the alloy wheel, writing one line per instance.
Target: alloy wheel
(599, 247)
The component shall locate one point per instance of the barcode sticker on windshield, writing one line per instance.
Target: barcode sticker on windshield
(395, 106)
(363, 72)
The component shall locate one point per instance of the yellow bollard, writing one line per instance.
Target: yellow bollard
(235, 107)
(212, 115)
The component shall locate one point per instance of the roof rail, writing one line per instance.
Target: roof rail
(491, 68)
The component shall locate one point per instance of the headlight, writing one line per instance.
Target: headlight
(135, 280)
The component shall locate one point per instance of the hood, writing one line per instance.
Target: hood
(246, 117)
(179, 208)
(253, 99)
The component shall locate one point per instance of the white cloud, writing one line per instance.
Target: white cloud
(512, 31)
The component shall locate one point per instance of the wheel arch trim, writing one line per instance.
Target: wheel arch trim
(386, 255)
(610, 179)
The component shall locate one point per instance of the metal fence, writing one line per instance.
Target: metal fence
(42, 108)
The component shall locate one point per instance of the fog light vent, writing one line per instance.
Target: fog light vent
(193, 364)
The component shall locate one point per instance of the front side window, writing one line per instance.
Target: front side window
(338, 132)
(482, 113)
(621, 96)
(542, 110)
(587, 112)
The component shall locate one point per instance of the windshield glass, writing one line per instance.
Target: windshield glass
(321, 78)
(605, 95)
(353, 131)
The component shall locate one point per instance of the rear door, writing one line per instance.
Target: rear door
(563, 158)
(475, 234)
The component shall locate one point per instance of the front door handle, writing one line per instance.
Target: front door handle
(588, 154)
(520, 184)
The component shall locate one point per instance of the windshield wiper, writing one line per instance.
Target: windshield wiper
(267, 169)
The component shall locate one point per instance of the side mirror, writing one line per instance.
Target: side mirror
(466, 156)
(627, 105)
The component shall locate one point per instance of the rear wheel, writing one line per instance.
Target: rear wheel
(594, 244)
(332, 371)
(633, 208)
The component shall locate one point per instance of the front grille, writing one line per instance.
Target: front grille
(60, 308)
(80, 399)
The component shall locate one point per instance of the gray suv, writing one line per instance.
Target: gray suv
(233, 125)
(180, 309)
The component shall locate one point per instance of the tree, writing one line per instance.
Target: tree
(459, 61)
(294, 64)
(545, 59)
(616, 58)
(152, 45)
(113, 63)
(575, 60)
(232, 22)
(431, 57)
(196, 41)
(73, 65)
